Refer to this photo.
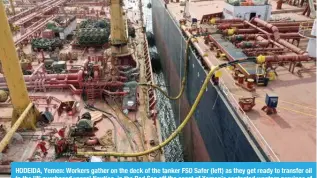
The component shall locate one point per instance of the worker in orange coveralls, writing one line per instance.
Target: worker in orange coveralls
(60, 143)
(42, 146)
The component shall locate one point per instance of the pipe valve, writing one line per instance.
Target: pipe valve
(260, 59)
(231, 31)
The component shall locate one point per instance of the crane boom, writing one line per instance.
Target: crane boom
(118, 24)
(119, 52)
(14, 76)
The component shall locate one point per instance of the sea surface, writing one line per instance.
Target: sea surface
(173, 151)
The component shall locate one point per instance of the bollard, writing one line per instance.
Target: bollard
(250, 83)
(240, 78)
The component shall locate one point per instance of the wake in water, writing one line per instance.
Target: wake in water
(173, 151)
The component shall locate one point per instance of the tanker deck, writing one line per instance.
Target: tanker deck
(87, 100)
(231, 122)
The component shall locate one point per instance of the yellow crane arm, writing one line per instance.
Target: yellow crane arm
(13, 74)
(118, 25)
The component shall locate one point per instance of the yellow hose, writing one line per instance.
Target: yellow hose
(171, 137)
(183, 80)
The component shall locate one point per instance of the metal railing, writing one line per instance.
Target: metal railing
(248, 123)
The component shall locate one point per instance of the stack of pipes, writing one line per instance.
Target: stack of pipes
(69, 81)
(264, 33)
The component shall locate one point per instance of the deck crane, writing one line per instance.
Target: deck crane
(119, 32)
(24, 113)
(120, 52)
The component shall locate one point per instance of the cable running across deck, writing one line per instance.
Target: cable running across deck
(182, 125)
(115, 117)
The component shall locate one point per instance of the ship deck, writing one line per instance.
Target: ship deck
(120, 132)
(291, 133)
(202, 7)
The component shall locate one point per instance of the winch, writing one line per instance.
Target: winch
(84, 126)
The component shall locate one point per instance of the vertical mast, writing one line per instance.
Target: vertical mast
(119, 37)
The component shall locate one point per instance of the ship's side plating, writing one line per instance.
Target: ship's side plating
(215, 133)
